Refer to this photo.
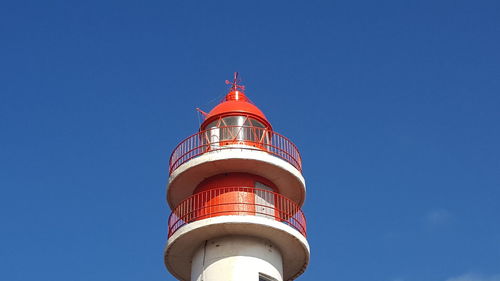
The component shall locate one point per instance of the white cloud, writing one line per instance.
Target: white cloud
(475, 277)
(438, 217)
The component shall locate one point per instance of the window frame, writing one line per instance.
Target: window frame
(265, 277)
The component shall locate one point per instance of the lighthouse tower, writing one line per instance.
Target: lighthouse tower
(236, 190)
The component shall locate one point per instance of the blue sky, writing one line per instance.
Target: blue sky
(394, 106)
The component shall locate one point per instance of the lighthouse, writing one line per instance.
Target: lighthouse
(236, 190)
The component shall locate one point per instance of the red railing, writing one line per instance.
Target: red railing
(237, 201)
(253, 138)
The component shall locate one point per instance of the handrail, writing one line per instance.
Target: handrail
(237, 201)
(251, 138)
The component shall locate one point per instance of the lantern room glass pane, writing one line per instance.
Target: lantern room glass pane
(232, 127)
(211, 125)
(211, 135)
(256, 123)
(259, 132)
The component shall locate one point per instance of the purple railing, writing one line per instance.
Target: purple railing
(237, 201)
(252, 138)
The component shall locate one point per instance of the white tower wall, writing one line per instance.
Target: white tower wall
(240, 258)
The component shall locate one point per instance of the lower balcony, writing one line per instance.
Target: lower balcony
(237, 201)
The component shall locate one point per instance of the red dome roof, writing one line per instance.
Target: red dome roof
(235, 103)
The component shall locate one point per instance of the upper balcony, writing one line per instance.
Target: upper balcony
(227, 137)
(250, 149)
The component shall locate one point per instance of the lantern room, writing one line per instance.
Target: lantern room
(236, 120)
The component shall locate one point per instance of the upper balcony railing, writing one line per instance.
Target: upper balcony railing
(237, 201)
(244, 137)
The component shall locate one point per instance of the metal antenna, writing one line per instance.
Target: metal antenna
(234, 84)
